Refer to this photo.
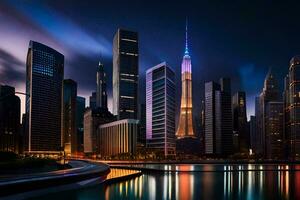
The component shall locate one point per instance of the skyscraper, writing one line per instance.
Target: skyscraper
(44, 83)
(80, 104)
(185, 126)
(270, 93)
(101, 87)
(210, 118)
(69, 117)
(160, 109)
(292, 109)
(253, 132)
(218, 118)
(240, 131)
(224, 137)
(10, 106)
(125, 74)
(274, 130)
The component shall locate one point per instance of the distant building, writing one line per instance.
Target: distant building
(125, 74)
(160, 109)
(118, 137)
(101, 87)
(270, 93)
(142, 131)
(274, 130)
(10, 106)
(93, 100)
(292, 107)
(69, 131)
(218, 118)
(44, 84)
(80, 104)
(253, 132)
(241, 136)
(92, 119)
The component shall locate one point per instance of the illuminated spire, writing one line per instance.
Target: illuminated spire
(186, 52)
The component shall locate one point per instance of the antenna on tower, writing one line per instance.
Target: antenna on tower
(186, 52)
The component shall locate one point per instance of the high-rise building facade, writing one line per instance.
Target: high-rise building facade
(125, 74)
(101, 87)
(185, 126)
(210, 118)
(218, 118)
(80, 108)
(69, 131)
(10, 107)
(241, 136)
(274, 130)
(160, 109)
(44, 83)
(142, 126)
(292, 109)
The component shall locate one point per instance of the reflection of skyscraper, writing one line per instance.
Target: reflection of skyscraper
(185, 126)
(44, 80)
(292, 109)
(240, 131)
(10, 106)
(160, 109)
(101, 87)
(69, 116)
(125, 74)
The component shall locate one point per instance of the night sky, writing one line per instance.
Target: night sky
(241, 40)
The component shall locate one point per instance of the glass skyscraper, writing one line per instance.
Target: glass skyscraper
(44, 83)
(125, 74)
(160, 109)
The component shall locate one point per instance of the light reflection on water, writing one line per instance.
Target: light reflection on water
(232, 182)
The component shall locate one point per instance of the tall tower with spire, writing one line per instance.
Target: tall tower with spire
(185, 128)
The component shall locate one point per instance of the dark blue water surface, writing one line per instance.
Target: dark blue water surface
(199, 182)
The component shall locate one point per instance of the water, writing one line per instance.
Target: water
(199, 182)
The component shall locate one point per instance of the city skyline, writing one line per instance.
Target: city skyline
(237, 59)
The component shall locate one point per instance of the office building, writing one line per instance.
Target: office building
(80, 104)
(69, 131)
(92, 119)
(270, 93)
(241, 138)
(253, 132)
(141, 140)
(118, 137)
(218, 118)
(10, 106)
(274, 130)
(44, 87)
(292, 109)
(101, 87)
(160, 109)
(125, 74)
